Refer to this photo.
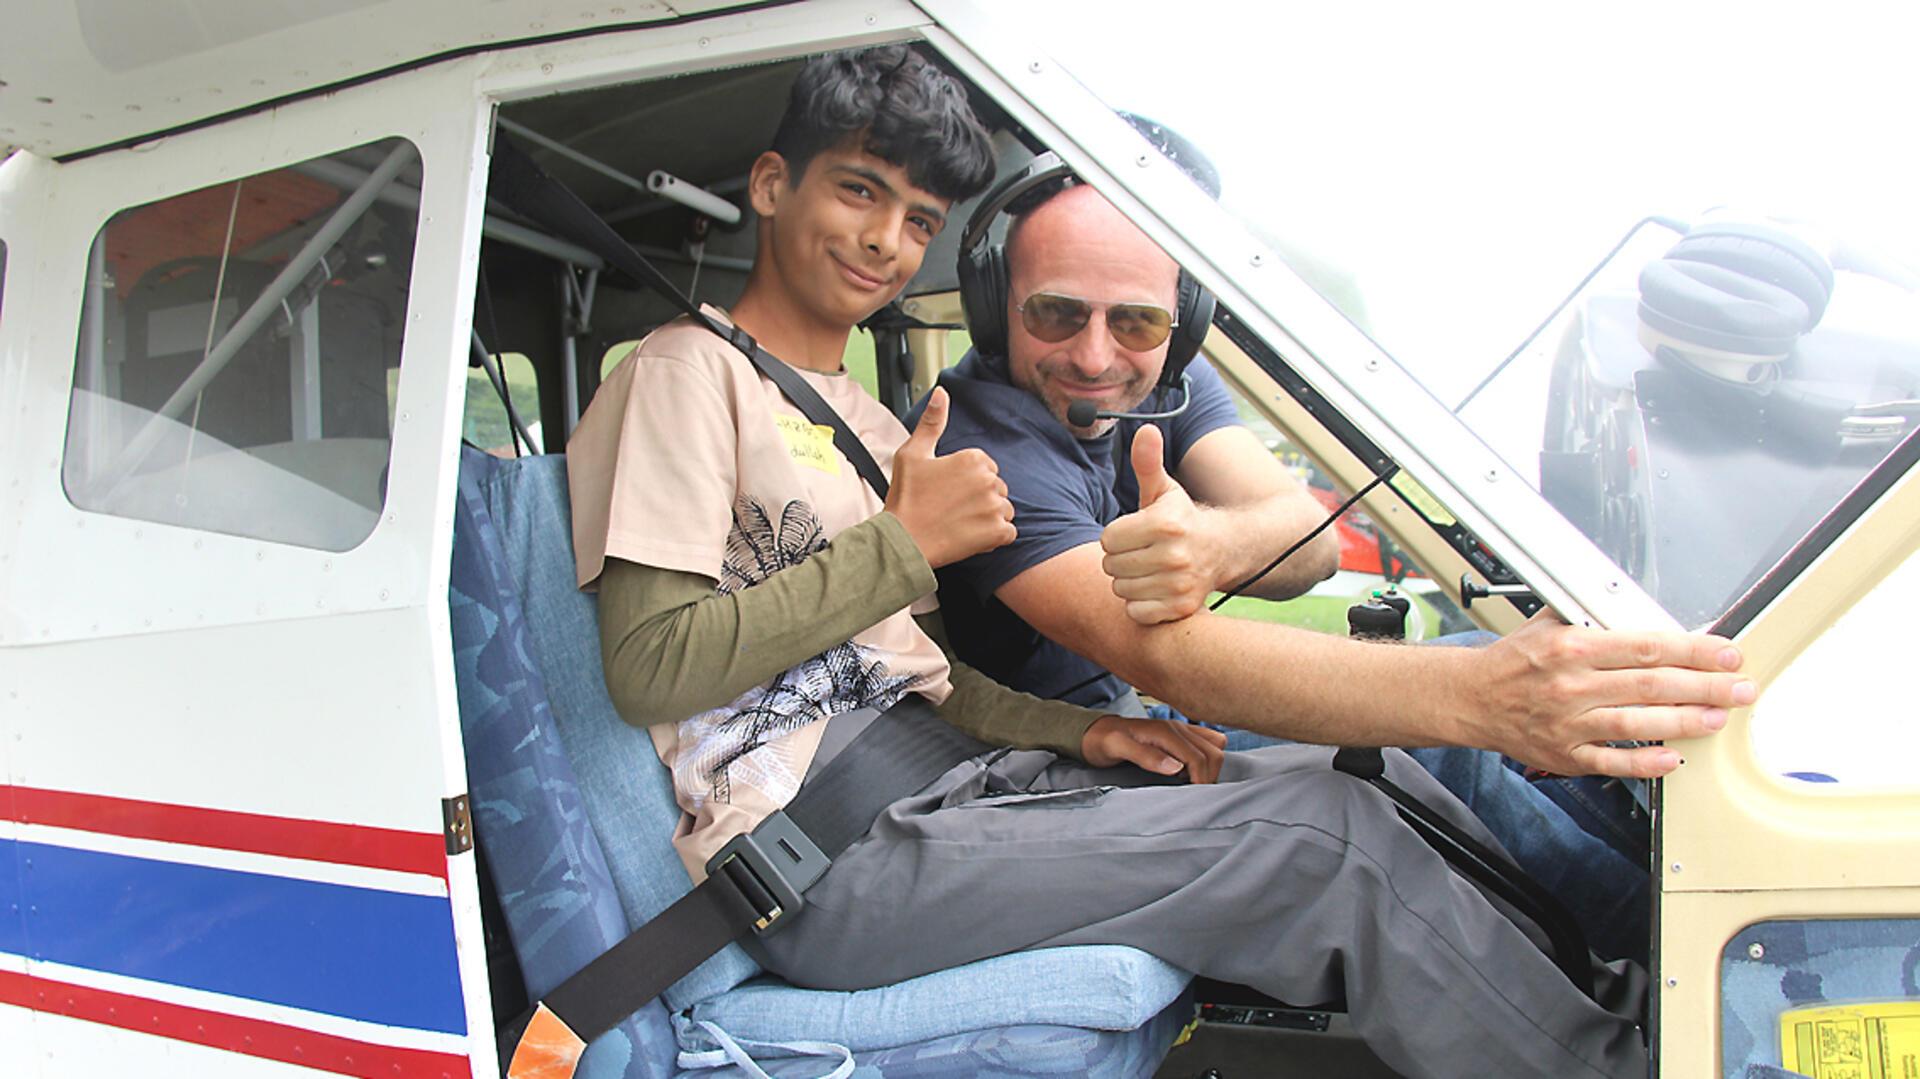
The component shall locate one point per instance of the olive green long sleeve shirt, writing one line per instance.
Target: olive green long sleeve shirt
(673, 647)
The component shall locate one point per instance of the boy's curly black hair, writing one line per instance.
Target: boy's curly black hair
(908, 112)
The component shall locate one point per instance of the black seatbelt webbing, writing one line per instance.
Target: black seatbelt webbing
(1480, 864)
(817, 412)
(754, 884)
(522, 184)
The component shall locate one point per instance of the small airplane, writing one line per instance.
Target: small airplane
(1614, 345)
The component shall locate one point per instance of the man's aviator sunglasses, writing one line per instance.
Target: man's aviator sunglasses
(1138, 327)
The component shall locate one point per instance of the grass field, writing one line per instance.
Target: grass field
(1324, 612)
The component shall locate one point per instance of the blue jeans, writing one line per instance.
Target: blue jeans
(1563, 832)
(1582, 839)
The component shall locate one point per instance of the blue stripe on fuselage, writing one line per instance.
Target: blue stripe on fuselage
(13, 913)
(360, 953)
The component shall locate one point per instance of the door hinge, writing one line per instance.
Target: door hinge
(457, 812)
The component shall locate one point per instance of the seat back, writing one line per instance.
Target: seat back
(573, 806)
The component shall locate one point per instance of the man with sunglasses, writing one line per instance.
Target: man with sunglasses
(1126, 525)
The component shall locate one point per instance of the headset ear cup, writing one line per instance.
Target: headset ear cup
(1194, 313)
(983, 298)
(1764, 253)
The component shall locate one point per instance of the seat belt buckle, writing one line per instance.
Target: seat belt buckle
(771, 866)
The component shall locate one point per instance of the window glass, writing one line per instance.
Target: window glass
(486, 424)
(1701, 290)
(1370, 562)
(614, 355)
(1837, 712)
(237, 350)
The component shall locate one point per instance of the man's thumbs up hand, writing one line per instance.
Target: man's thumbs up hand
(952, 506)
(1157, 556)
(1150, 466)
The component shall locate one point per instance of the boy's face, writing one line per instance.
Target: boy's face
(848, 234)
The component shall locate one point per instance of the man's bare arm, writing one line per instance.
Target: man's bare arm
(1236, 511)
(1259, 510)
(1547, 695)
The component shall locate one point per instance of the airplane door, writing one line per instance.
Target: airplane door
(233, 831)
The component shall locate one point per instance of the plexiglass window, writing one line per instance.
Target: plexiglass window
(237, 348)
(1686, 307)
(487, 423)
(1371, 564)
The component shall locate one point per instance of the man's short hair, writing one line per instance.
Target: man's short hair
(908, 112)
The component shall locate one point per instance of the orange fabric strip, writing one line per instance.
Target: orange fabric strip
(549, 1049)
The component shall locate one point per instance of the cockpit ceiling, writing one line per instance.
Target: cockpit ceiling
(639, 127)
(89, 73)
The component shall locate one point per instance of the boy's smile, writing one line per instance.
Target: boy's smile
(847, 236)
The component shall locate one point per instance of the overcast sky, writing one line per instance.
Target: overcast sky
(1469, 163)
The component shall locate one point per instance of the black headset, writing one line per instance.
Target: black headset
(984, 284)
(1750, 289)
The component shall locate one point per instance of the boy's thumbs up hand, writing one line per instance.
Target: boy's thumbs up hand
(1157, 556)
(952, 506)
(925, 438)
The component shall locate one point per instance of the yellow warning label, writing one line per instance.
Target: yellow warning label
(1421, 499)
(811, 444)
(1853, 1041)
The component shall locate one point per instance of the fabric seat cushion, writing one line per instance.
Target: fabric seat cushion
(1101, 987)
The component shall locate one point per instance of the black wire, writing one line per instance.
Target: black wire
(1383, 477)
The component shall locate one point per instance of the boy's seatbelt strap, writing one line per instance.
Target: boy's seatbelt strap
(754, 885)
(818, 412)
(523, 185)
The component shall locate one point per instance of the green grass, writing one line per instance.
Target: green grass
(485, 423)
(859, 361)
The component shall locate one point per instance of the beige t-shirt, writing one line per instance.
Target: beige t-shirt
(689, 459)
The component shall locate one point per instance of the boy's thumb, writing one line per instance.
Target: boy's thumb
(933, 424)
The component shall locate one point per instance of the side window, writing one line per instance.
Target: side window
(486, 423)
(613, 357)
(1370, 561)
(238, 349)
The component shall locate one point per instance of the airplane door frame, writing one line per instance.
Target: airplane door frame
(191, 711)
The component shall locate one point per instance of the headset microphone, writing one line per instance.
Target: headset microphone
(1081, 413)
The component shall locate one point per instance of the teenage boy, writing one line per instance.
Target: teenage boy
(754, 605)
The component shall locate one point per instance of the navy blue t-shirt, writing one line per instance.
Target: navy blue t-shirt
(1065, 491)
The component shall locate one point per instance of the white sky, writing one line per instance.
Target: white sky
(1468, 163)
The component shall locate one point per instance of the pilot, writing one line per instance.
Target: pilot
(755, 599)
(1126, 525)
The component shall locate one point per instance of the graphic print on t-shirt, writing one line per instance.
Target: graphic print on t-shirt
(719, 745)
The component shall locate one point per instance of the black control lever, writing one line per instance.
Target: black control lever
(1471, 590)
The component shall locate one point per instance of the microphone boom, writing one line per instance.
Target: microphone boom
(1081, 413)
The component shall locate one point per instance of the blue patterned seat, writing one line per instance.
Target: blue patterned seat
(576, 814)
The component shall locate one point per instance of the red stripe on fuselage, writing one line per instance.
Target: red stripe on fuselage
(289, 837)
(217, 1030)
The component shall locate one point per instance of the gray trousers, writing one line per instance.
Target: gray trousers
(1285, 876)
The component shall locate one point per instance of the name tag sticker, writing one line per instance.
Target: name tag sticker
(810, 444)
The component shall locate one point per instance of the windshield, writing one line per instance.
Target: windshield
(1659, 256)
